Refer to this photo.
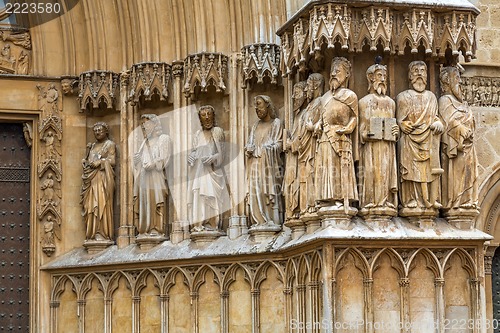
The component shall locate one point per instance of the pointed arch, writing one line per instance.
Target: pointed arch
(396, 262)
(466, 259)
(432, 262)
(358, 259)
(200, 277)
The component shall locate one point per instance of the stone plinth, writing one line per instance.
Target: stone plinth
(297, 226)
(205, 236)
(263, 232)
(423, 218)
(147, 242)
(312, 221)
(461, 218)
(94, 246)
(336, 216)
(378, 216)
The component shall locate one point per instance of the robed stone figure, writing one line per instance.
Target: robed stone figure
(419, 165)
(207, 185)
(150, 188)
(265, 167)
(458, 153)
(378, 134)
(334, 163)
(99, 185)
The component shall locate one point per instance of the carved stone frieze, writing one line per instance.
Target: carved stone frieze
(15, 54)
(351, 28)
(98, 88)
(260, 61)
(204, 70)
(148, 79)
(49, 169)
(481, 91)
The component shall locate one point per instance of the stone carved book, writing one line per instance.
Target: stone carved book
(381, 129)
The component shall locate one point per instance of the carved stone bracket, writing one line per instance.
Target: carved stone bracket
(259, 61)
(204, 70)
(149, 78)
(15, 54)
(379, 28)
(49, 169)
(69, 85)
(489, 252)
(98, 88)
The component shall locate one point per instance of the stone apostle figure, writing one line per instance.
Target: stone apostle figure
(378, 133)
(419, 166)
(334, 164)
(150, 188)
(458, 152)
(265, 167)
(99, 185)
(292, 183)
(207, 179)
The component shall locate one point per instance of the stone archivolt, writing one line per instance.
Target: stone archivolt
(260, 61)
(148, 79)
(203, 70)
(376, 27)
(98, 88)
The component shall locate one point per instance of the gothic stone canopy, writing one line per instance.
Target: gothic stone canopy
(440, 28)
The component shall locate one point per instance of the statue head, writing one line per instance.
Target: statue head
(450, 80)
(315, 85)
(206, 114)
(299, 95)
(417, 75)
(151, 125)
(101, 130)
(264, 107)
(340, 72)
(377, 79)
(67, 86)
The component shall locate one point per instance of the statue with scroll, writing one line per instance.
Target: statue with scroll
(150, 188)
(208, 188)
(334, 163)
(459, 183)
(265, 168)
(99, 185)
(419, 165)
(378, 135)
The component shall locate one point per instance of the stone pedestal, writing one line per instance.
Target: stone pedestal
(205, 236)
(94, 246)
(263, 232)
(147, 242)
(336, 216)
(379, 217)
(420, 217)
(312, 221)
(461, 218)
(297, 226)
(126, 236)
(237, 226)
(177, 234)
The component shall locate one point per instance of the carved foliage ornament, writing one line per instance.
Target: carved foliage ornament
(147, 79)
(98, 88)
(204, 70)
(377, 27)
(259, 61)
(49, 168)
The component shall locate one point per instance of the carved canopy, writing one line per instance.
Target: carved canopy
(439, 27)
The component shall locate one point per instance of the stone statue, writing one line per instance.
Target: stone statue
(334, 178)
(207, 178)
(378, 135)
(419, 165)
(458, 154)
(150, 188)
(292, 185)
(265, 167)
(99, 185)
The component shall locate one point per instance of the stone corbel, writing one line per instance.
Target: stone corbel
(69, 85)
(203, 70)
(49, 169)
(98, 88)
(148, 79)
(260, 61)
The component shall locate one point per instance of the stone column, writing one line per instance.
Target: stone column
(136, 314)
(54, 306)
(288, 308)
(314, 306)
(108, 303)
(368, 292)
(404, 283)
(81, 315)
(301, 307)
(255, 311)
(194, 312)
(488, 261)
(164, 312)
(440, 315)
(224, 309)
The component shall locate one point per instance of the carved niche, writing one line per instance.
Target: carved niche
(376, 27)
(98, 88)
(49, 169)
(259, 61)
(15, 54)
(149, 78)
(204, 70)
